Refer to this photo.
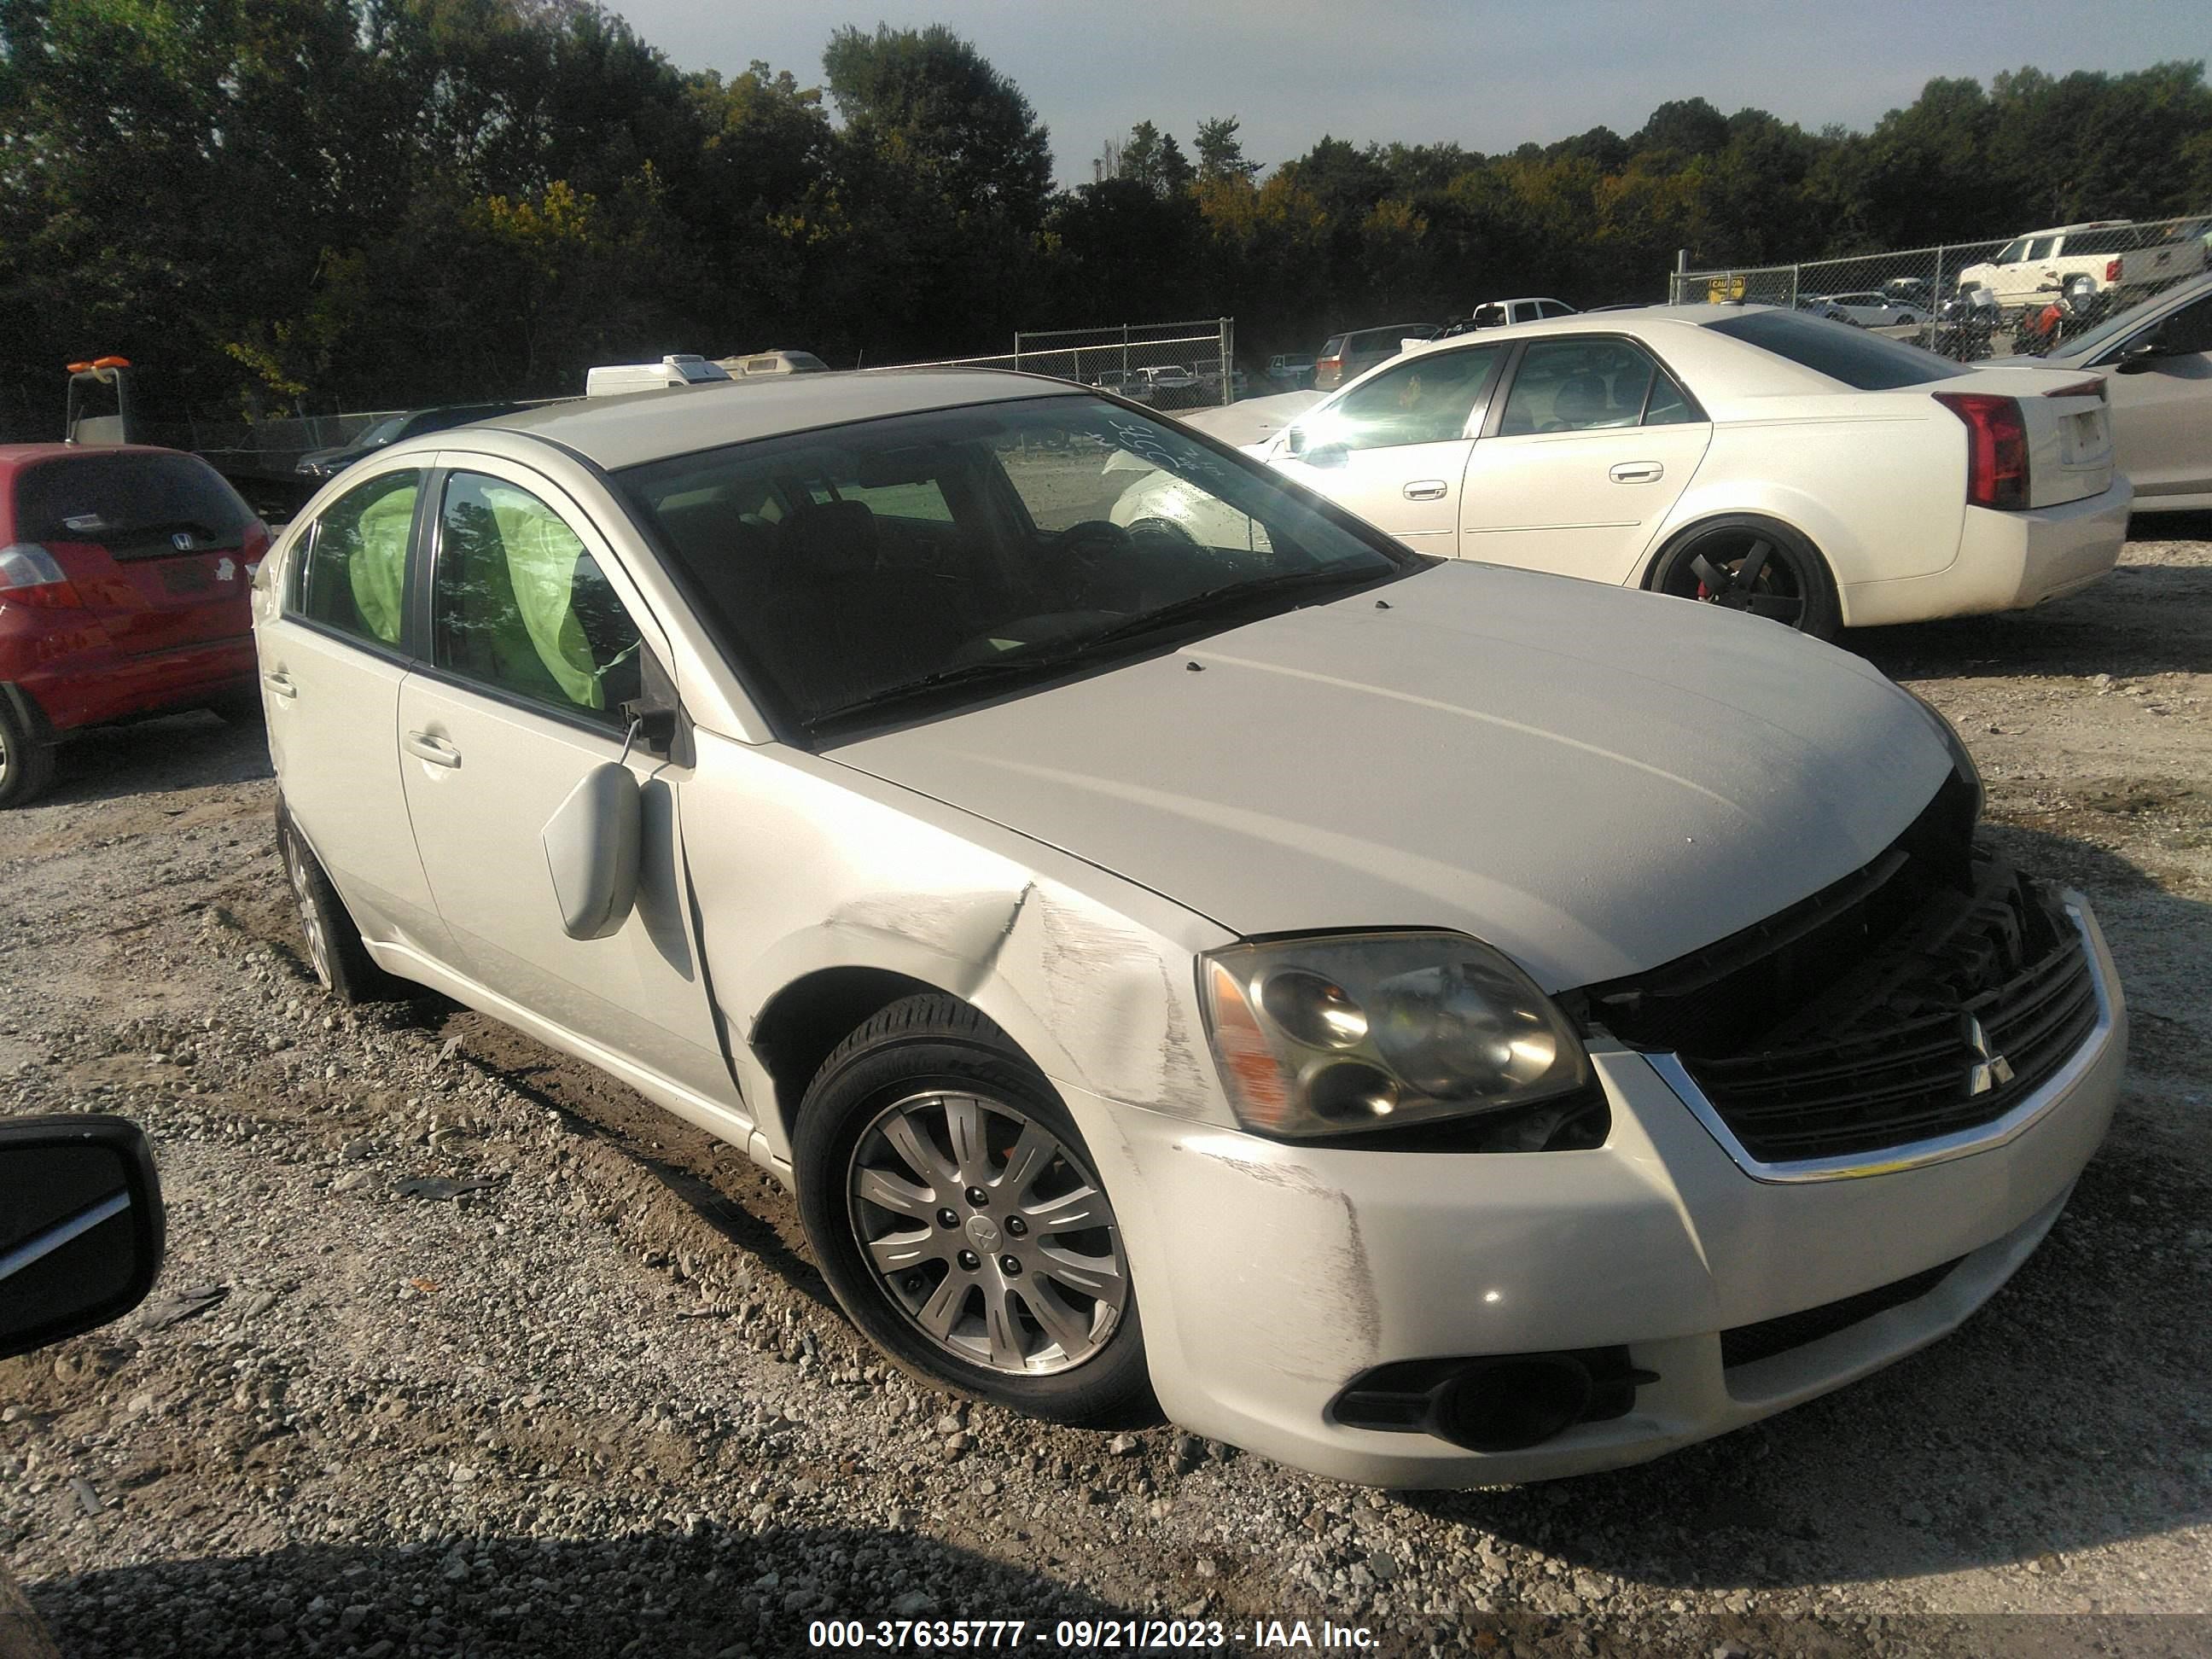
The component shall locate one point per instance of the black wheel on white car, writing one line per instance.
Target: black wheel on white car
(960, 1220)
(27, 766)
(330, 941)
(1759, 565)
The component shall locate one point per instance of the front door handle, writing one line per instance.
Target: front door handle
(1425, 489)
(279, 683)
(1637, 472)
(436, 750)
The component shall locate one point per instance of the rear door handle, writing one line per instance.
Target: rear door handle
(281, 683)
(1425, 489)
(436, 750)
(1637, 472)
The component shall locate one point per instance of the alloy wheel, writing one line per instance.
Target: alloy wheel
(987, 1232)
(310, 921)
(1744, 570)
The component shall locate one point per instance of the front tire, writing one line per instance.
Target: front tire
(1755, 565)
(959, 1218)
(329, 939)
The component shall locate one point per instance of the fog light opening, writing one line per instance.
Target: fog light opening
(1511, 1404)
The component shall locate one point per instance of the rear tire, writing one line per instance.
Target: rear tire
(1788, 582)
(880, 1160)
(330, 941)
(27, 765)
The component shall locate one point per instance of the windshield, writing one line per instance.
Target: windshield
(924, 560)
(2113, 327)
(1866, 363)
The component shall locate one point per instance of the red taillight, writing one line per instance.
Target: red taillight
(2111, 271)
(1996, 447)
(2079, 389)
(30, 576)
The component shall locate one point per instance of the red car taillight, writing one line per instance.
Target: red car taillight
(29, 575)
(1996, 447)
(2111, 271)
(2079, 389)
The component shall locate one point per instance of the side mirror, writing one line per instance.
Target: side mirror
(2141, 353)
(82, 1226)
(1327, 454)
(593, 843)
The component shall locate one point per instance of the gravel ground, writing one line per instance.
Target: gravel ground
(464, 1349)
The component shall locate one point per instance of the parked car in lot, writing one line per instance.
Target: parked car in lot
(1817, 305)
(124, 571)
(1169, 385)
(328, 463)
(1290, 372)
(2156, 359)
(1125, 383)
(681, 368)
(1346, 357)
(1749, 456)
(1121, 939)
(1503, 313)
(2112, 255)
(753, 365)
(1872, 308)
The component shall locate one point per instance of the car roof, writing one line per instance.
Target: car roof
(648, 426)
(14, 457)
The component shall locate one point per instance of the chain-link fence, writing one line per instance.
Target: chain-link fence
(2021, 296)
(1166, 365)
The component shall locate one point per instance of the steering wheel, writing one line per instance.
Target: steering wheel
(1097, 552)
(1155, 528)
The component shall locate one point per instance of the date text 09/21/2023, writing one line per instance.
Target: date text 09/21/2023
(1086, 1635)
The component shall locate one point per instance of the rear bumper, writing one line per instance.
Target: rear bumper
(2007, 561)
(94, 684)
(1272, 1275)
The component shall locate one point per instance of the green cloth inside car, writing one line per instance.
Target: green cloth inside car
(541, 554)
(376, 568)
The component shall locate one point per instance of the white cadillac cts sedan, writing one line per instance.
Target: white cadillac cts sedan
(1431, 1024)
(1759, 459)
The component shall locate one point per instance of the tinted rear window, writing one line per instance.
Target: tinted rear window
(1866, 363)
(120, 501)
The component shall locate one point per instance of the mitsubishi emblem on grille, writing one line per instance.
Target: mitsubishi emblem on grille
(1989, 1069)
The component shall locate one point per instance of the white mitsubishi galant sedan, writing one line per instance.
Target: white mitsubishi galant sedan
(1431, 1024)
(1759, 460)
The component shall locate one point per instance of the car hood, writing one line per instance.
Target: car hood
(1594, 781)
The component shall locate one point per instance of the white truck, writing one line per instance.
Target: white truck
(2112, 254)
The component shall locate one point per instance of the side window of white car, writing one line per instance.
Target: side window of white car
(2189, 329)
(352, 571)
(1426, 401)
(1577, 385)
(518, 605)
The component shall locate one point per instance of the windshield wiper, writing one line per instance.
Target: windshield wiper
(1208, 600)
(1065, 654)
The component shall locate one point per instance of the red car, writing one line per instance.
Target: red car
(124, 573)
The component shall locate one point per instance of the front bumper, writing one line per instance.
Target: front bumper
(1272, 1275)
(2006, 562)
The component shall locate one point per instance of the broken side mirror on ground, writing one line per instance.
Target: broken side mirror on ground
(81, 1226)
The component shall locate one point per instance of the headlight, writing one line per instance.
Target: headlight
(1351, 1032)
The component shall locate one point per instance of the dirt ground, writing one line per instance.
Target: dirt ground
(464, 1349)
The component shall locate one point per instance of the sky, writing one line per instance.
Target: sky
(1487, 75)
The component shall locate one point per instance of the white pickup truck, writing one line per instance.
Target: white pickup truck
(2113, 254)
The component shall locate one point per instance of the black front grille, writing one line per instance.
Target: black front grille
(1748, 1343)
(1960, 1029)
(1926, 993)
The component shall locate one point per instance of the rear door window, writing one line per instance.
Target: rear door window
(519, 605)
(1577, 385)
(131, 504)
(1866, 363)
(352, 573)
